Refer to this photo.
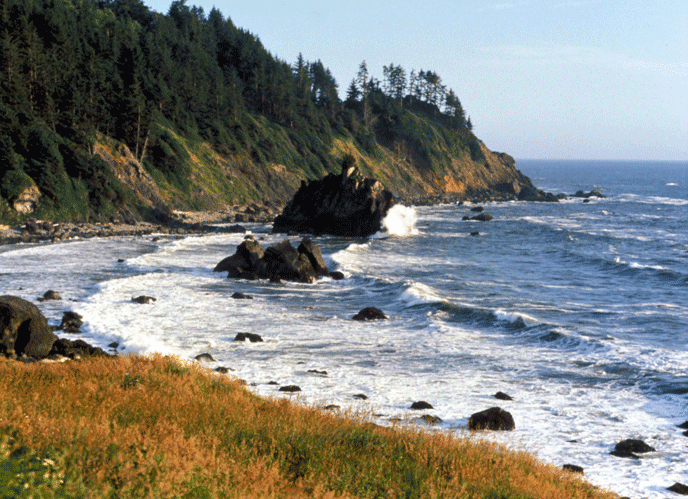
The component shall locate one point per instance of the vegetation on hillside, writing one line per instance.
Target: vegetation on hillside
(202, 105)
(139, 427)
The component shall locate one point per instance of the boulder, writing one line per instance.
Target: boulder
(204, 357)
(243, 263)
(347, 205)
(24, 329)
(50, 295)
(679, 488)
(75, 349)
(495, 419)
(370, 314)
(337, 275)
(631, 448)
(312, 251)
(280, 261)
(71, 322)
(290, 389)
(421, 405)
(502, 396)
(241, 296)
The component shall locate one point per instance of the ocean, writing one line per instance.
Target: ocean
(577, 310)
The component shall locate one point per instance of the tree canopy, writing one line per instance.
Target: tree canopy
(75, 71)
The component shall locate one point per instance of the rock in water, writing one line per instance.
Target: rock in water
(495, 419)
(280, 261)
(342, 205)
(23, 329)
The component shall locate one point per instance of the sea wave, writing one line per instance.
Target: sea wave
(400, 221)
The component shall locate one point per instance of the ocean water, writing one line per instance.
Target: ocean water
(577, 310)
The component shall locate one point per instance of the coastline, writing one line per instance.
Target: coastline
(175, 223)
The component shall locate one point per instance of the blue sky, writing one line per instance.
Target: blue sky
(559, 79)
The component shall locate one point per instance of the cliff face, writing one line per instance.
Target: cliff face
(222, 181)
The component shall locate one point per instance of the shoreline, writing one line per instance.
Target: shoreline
(175, 223)
(178, 222)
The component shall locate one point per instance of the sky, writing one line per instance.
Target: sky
(539, 79)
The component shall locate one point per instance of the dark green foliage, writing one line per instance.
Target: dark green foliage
(13, 183)
(170, 157)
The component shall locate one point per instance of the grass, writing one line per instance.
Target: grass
(154, 427)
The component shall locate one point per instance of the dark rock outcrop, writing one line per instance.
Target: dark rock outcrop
(252, 337)
(595, 193)
(75, 349)
(342, 205)
(23, 329)
(679, 488)
(530, 193)
(290, 388)
(631, 448)
(502, 396)
(241, 296)
(421, 405)
(495, 418)
(50, 295)
(280, 261)
(204, 357)
(71, 322)
(369, 314)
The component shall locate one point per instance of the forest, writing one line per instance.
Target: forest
(78, 73)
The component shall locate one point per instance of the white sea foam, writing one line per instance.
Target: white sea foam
(400, 221)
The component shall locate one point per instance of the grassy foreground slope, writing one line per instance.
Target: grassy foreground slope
(131, 427)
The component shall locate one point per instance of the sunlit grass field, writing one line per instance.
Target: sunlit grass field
(157, 427)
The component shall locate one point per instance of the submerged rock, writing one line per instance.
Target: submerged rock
(252, 337)
(631, 448)
(421, 405)
(347, 204)
(370, 314)
(502, 396)
(204, 357)
(143, 300)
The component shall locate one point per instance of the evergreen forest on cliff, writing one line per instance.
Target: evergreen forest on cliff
(109, 108)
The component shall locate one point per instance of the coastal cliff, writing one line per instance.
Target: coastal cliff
(167, 118)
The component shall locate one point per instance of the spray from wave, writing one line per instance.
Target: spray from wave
(400, 221)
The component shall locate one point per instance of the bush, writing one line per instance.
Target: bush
(13, 183)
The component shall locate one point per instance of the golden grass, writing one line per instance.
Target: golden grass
(131, 427)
